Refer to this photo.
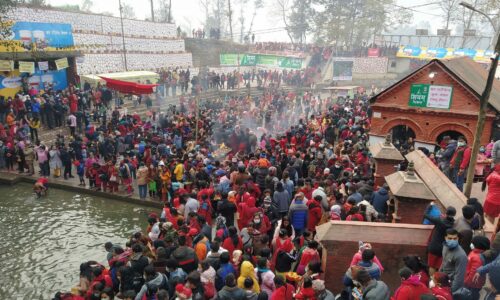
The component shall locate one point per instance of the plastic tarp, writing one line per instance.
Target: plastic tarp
(127, 87)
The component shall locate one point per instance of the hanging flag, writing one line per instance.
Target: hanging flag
(43, 65)
(62, 63)
(26, 67)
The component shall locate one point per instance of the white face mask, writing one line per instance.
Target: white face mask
(432, 284)
(471, 246)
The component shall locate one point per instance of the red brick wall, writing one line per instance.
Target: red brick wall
(411, 211)
(383, 168)
(429, 123)
(340, 253)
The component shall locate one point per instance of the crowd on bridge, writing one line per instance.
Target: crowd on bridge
(244, 182)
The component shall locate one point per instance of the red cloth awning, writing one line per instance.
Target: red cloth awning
(127, 87)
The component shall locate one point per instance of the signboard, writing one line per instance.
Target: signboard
(43, 65)
(430, 96)
(252, 60)
(342, 69)
(56, 79)
(6, 65)
(62, 63)
(44, 35)
(27, 67)
(421, 32)
(373, 52)
(437, 52)
(229, 59)
(443, 32)
(469, 32)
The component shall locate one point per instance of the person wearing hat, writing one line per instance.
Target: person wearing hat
(479, 244)
(435, 245)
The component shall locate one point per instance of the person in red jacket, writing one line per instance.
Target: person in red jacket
(480, 244)
(314, 213)
(440, 286)
(308, 255)
(492, 202)
(459, 162)
(411, 288)
(283, 291)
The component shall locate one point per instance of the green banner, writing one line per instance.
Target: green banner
(261, 60)
(418, 95)
(248, 60)
(229, 59)
(430, 96)
(290, 62)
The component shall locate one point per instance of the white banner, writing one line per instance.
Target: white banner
(43, 65)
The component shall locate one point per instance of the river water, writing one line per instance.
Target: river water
(45, 240)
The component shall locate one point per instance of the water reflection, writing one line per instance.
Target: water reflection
(45, 240)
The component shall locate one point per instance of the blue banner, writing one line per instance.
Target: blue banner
(44, 34)
(42, 79)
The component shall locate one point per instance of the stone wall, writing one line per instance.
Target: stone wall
(149, 45)
(94, 23)
(114, 62)
(370, 65)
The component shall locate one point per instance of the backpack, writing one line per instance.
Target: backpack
(123, 172)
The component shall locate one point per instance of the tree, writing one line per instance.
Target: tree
(162, 11)
(257, 5)
(128, 11)
(35, 3)
(87, 5)
(352, 23)
(69, 7)
(301, 19)
(282, 8)
(450, 10)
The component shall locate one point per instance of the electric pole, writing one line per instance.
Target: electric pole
(152, 11)
(170, 11)
(123, 35)
(230, 15)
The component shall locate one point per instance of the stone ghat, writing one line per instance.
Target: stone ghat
(8, 178)
(113, 62)
(94, 23)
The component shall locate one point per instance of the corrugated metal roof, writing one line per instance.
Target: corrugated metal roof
(474, 76)
(465, 70)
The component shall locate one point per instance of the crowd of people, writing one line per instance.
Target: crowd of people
(244, 185)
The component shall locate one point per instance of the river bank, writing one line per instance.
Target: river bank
(72, 185)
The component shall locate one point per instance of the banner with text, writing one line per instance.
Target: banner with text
(435, 52)
(430, 96)
(342, 69)
(62, 63)
(6, 65)
(27, 67)
(250, 60)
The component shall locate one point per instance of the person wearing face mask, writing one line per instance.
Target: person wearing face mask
(435, 245)
(411, 287)
(459, 163)
(440, 286)
(454, 260)
(481, 162)
(478, 245)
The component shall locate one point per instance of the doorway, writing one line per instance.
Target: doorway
(401, 134)
(451, 133)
